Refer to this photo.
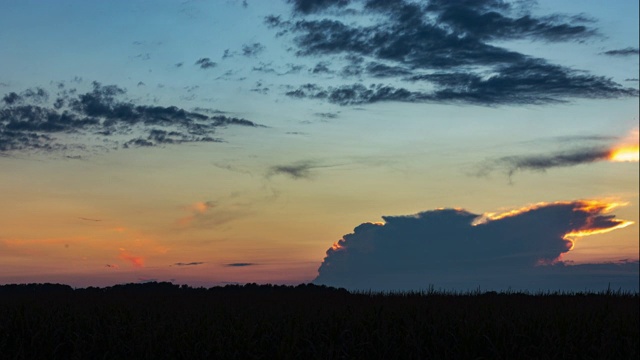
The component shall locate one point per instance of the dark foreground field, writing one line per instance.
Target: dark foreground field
(164, 321)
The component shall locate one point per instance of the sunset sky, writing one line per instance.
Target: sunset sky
(357, 143)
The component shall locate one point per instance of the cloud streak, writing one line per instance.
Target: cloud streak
(626, 150)
(456, 249)
(298, 170)
(438, 51)
(543, 162)
(193, 263)
(135, 261)
(241, 264)
(29, 123)
(629, 51)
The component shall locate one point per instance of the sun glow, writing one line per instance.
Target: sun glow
(627, 151)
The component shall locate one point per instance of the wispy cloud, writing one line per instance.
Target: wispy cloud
(629, 51)
(240, 264)
(303, 169)
(205, 63)
(29, 122)
(135, 261)
(623, 150)
(542, 162)
(298, 170)
(193, 263)
(437, 51)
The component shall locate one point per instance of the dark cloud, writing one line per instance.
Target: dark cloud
(327, 115)
(442, 50)
(630, 51)
(528, 82)
(205, 63)
(268, 68)
(260, 88)
(28, 123)
(311, 6)
(356, 94)
(321, 68)
(456, 249)
(242, 264)
(298, 170)
(194, 263)
(542, 162)
(250, 50)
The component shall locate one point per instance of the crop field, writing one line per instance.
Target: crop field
(166, 321)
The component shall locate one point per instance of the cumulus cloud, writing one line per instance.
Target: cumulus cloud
(456, 249)
(438, 51)
(28, 122)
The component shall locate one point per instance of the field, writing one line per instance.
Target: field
(165, 321)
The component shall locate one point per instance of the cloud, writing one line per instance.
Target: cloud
(624, 150)
(542, 162)
(529, 82)
(311, 6)
(251, 50)
(205, 63)
(456, 249)
(194, 263)
(135, 261)
(629, 51)
(29, 123)
(239, 264)
(248, 50)
(299, 170)
(208, 214)
(438, 51)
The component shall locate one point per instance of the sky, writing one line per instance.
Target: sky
(367, 144)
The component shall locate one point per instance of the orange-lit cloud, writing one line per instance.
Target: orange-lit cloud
(624, 151)
(595, 223)
(196, 209)
(453, 247)
(136, 261)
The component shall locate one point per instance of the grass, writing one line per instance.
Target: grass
(165, 321)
